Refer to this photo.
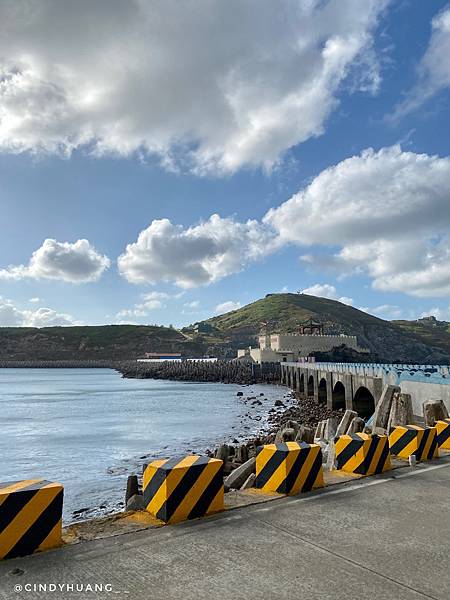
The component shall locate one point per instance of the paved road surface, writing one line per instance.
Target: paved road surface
(383, 538)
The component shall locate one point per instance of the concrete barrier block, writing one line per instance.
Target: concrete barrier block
(407, 440)
(183, 488)
(443, 434)
(289, 468)
(30, 516)
(362, 453)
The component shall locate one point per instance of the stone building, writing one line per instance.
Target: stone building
(291, 347)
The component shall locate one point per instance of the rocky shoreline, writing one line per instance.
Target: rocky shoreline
(291, 418)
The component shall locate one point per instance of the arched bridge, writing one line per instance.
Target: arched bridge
(356, 386)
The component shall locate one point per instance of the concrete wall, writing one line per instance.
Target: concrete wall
(304, 344)
(421, 391)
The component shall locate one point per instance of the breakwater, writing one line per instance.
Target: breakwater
(223, 371)
(58, 364)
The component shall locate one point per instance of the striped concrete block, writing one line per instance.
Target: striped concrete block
(183, 488)
(443, 434)
(362, 453)
(289, 468)
(408, 440)
(30, 516)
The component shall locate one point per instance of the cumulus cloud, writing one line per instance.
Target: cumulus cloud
(227, 306)
(150, 301)
(11, 316)
(326, 290)
(434, 67)
(388, 213)
(77, 262)
(196, 255)
(386, 311)
(270, 77)
(193, 304)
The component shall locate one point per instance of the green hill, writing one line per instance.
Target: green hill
(426, 341)
(284, 312)
(107, 342)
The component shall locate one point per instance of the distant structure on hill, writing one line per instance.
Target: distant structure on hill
(292, 347)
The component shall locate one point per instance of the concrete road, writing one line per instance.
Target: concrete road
(385, 537)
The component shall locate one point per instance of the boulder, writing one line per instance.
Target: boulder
(330, 462)
(330, 427)
(292, 425)
(356, 425)
(278, 403)
(401, 410)
(132, 487)
(383, 407)
(248, 483)
(240, 394)
(285, 435)
(319, 430)
(223, 452)
(305, 434)
(344, 423)
(241, 454)
(288, 435)
(135, 502)
(238, 477)
(434, 410)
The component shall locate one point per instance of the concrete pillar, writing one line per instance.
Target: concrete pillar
(348, 383)
(316, 387)
(329, 390)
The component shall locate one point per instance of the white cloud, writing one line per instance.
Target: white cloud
(227, 306)
(326, 290)
(11, 316)
(387, 211)
(121, 77)
(150, 301)
(386, 311)
(77, 262)
(193, 304)
(434, 67)
(34, 300)
(198, 255)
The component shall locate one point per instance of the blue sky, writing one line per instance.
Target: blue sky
(261, 113)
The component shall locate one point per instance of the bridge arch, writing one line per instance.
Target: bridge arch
(301, 383)
(338, 396)
(310, 390)
(322, 391)
(364, 402)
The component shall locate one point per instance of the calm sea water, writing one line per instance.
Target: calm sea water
(89, 428)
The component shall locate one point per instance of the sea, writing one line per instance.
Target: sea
(90, 428)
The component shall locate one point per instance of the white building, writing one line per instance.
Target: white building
(292, 346)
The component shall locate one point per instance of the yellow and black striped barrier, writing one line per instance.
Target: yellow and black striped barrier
(362, 453)
(408, 440)
(30, 516)
(443, 434)
(289, 468)
(183, 488)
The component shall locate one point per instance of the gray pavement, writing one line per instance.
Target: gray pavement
(384, 537)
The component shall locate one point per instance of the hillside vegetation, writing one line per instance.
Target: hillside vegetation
(110, 342)
(426, 341)
(283, 313)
